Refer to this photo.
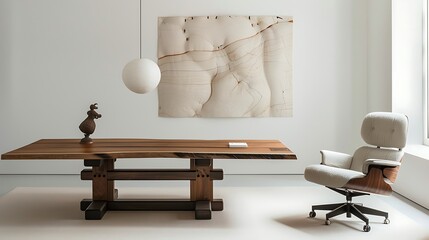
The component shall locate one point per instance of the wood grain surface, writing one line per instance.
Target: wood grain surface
(373, 182)
(149, 148)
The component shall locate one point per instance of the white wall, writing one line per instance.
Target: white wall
(379, 56)
(59, 56)
(407, 64)
(407, 84)
(395, 61)
(413, 177)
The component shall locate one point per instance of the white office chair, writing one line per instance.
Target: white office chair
(371, 169)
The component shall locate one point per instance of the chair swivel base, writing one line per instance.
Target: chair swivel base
(350, 209)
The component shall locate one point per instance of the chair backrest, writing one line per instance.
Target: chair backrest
(388, 132)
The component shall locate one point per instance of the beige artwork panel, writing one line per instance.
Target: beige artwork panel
(225, 66)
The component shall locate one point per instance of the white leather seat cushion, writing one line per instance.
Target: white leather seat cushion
(330, 176)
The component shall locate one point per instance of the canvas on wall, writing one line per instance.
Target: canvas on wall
(225, 66)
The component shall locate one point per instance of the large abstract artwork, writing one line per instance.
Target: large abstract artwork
(225, 66)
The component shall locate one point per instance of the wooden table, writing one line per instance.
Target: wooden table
(102, 154)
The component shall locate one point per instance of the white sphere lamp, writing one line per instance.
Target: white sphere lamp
(141, 75)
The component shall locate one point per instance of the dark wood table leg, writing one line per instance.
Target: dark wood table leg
(96, 210)
(103, 190)
(203, 210)
(104, 195)
(217, 205)
(202, 188)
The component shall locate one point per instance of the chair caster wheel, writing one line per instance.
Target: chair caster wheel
(328, 222)
(312, 214)
(386, 221)
(366, 228)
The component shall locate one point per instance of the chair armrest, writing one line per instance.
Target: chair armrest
(388, 168)
(380, 163)
(336, 159)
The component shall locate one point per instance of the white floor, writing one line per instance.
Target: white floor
(256, 207)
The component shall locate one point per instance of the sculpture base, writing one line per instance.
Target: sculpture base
(86, 140)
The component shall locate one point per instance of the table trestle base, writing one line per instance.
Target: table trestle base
(105, 197)
(95, 210)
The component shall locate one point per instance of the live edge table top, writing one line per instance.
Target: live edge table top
(102, 153)
(149, 148)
